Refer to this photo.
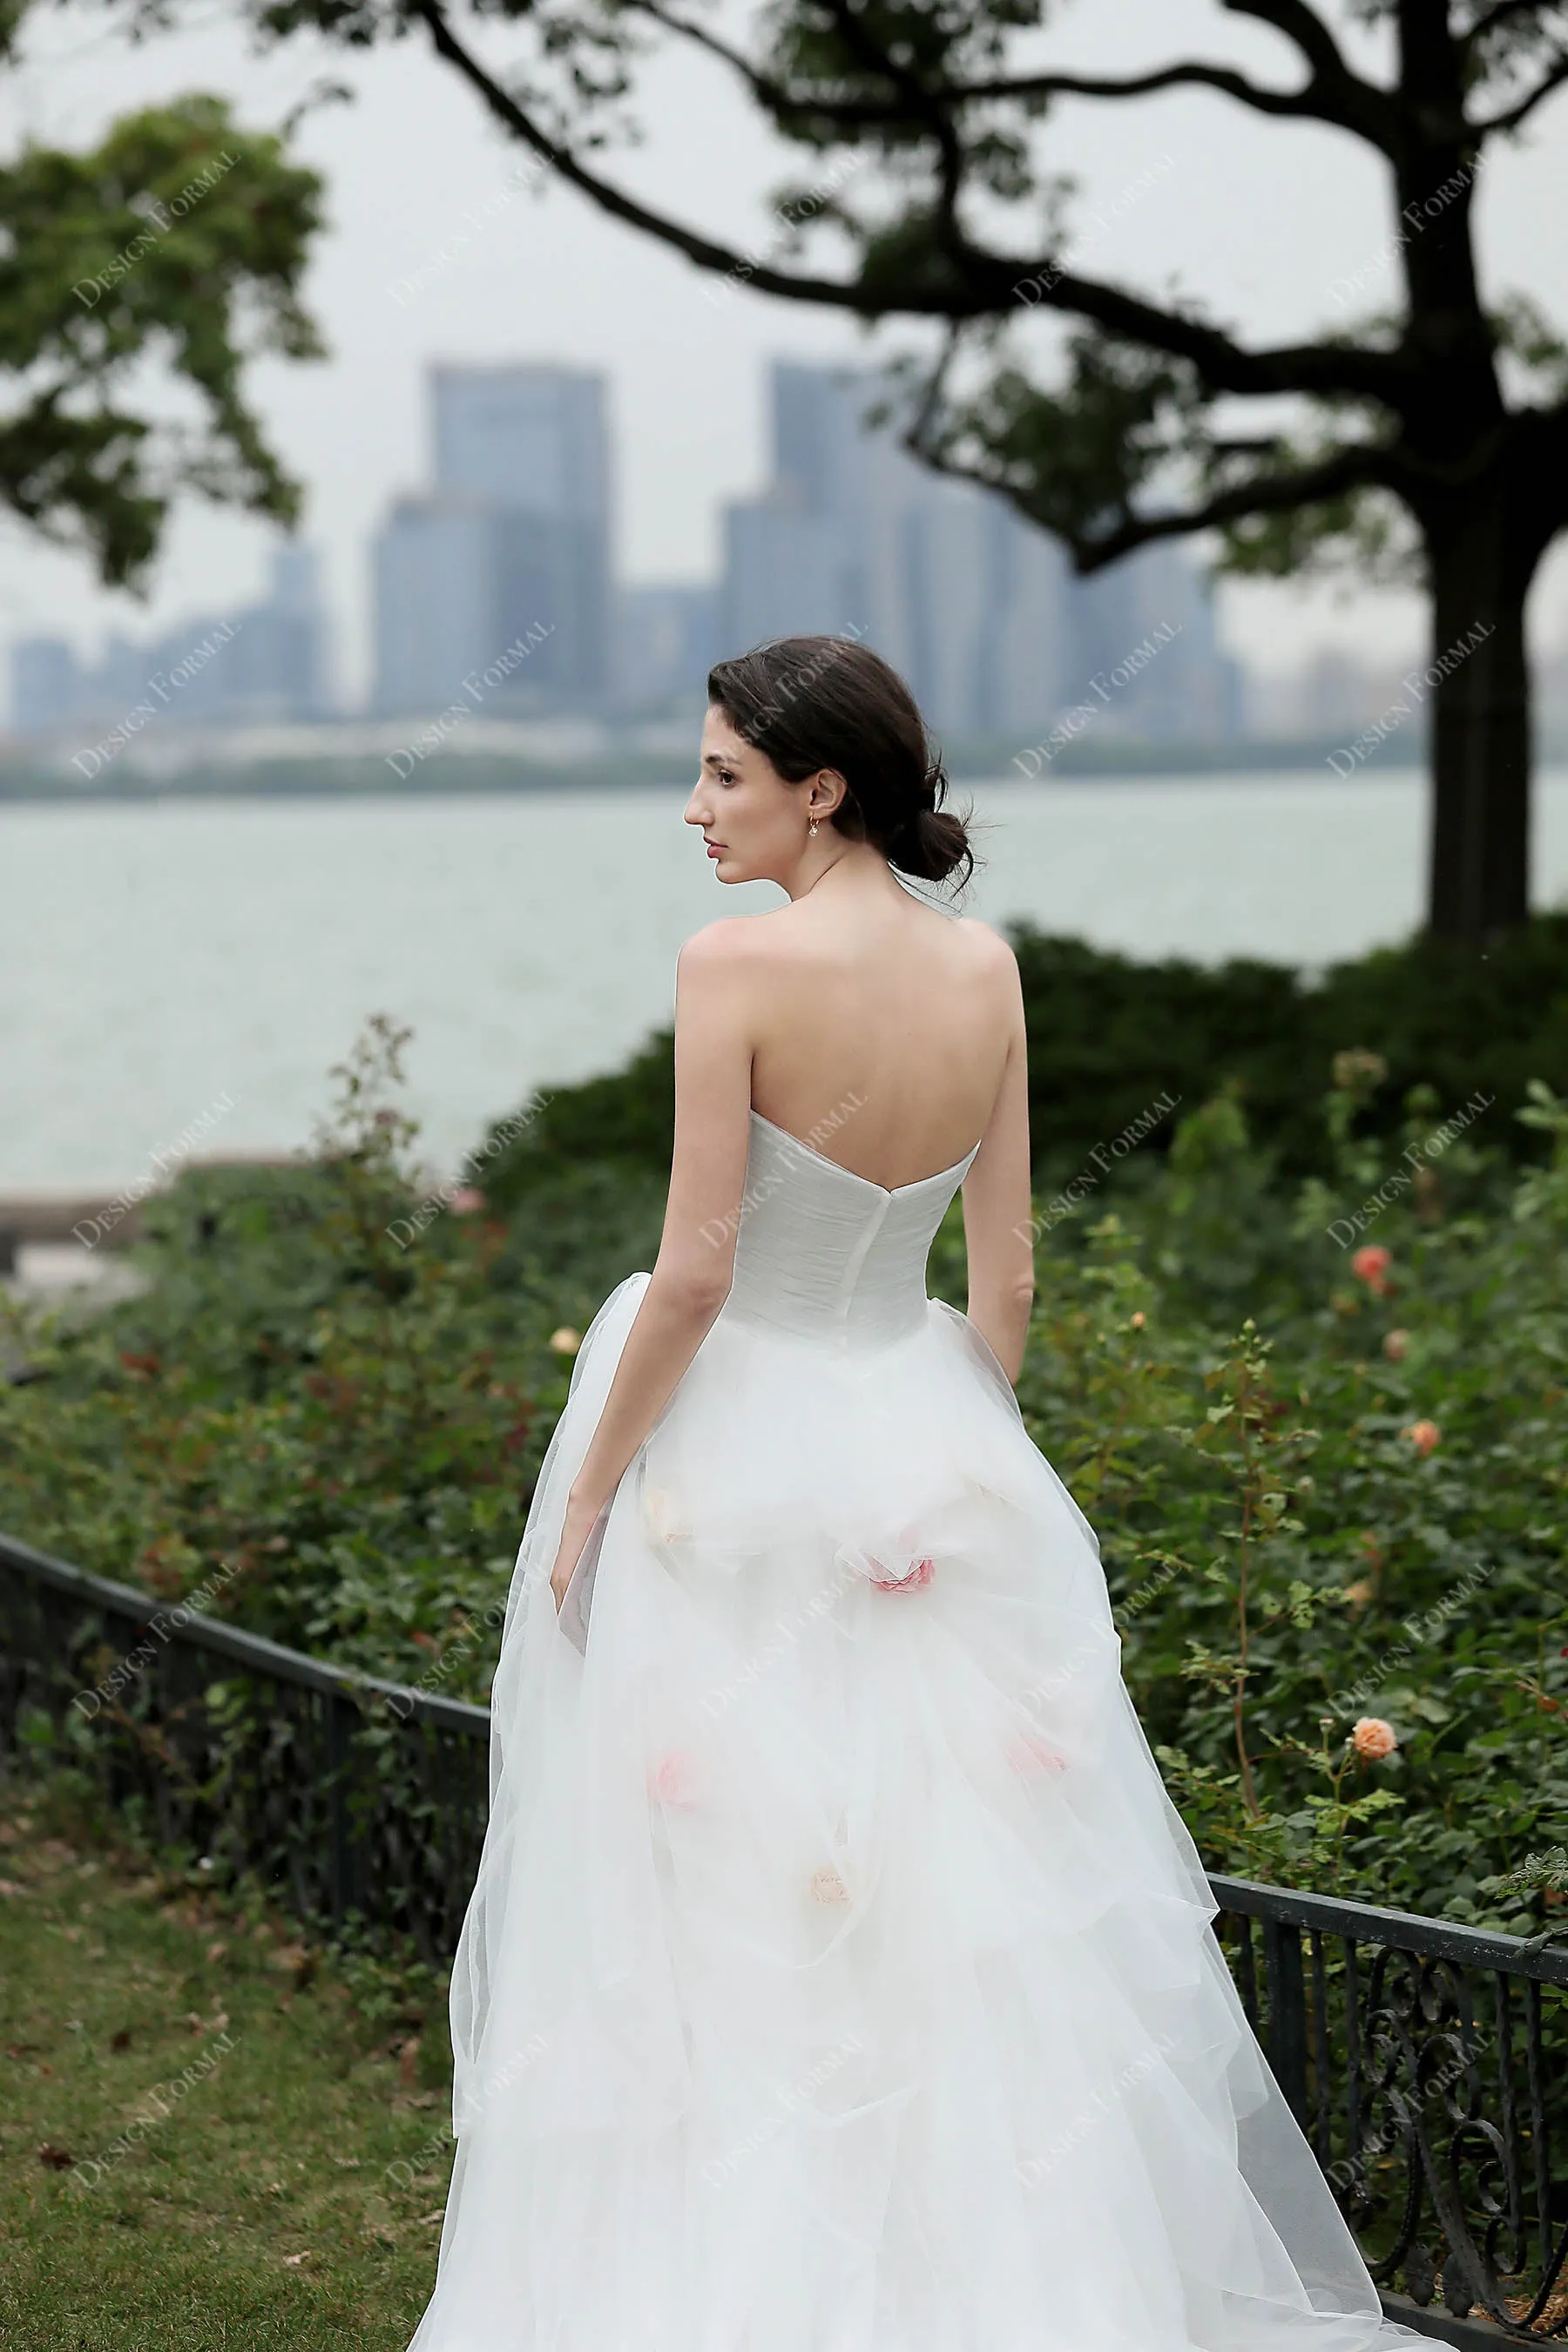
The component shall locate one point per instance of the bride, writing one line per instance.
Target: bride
(838, 1977)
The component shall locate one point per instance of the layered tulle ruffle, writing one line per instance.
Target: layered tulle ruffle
(839, 1978)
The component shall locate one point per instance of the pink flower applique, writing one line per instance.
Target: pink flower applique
(917, 1578)
(1029, 1753)
(672, 1781)
(828, 1886)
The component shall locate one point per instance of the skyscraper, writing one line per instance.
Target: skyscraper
(273, 665)
(513, 539)
(977, 607)
(940, 576)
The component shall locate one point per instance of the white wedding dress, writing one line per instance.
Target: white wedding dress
(839, 1976)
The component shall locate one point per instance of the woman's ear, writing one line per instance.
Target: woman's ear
(827, 791)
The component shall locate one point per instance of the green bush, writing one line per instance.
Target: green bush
(1319, 1420)
(1109, 1038)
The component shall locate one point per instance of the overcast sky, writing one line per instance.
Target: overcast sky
(1260, 219)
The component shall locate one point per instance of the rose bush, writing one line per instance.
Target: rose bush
(1332, 1497)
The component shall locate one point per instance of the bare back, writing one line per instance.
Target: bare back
(880, 1030)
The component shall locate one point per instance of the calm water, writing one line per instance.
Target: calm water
(154, 959)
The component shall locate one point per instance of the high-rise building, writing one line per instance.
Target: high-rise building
(977, 607)
(533, 438)
(854, 534)
(434, 600)
(511, 546)
(45, 684)
(265, 661)
(663, 643)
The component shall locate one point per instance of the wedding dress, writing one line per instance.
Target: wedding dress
(838, 1977)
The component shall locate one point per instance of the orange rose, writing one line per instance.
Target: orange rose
(1373, 1738)
(1371, 1263)
(1423, 1435)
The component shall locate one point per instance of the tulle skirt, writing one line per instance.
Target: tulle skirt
(838, 1977)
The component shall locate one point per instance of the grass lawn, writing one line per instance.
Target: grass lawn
(254, 2207)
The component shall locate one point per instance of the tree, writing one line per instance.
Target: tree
(166, 239)
(1430, 443)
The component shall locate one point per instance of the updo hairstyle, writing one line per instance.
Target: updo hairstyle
(827, 702)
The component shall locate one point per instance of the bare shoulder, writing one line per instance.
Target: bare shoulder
(731, 948)
(991, 954)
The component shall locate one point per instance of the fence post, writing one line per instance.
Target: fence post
(1287, 2013)
(337, 1763)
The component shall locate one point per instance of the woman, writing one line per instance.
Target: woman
(838, 1977)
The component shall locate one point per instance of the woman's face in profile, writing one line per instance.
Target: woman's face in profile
(752, 821)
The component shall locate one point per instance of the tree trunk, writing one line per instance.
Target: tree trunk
(1477, 687)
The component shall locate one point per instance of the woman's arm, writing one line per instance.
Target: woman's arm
(997, 1231)
(695, 1265)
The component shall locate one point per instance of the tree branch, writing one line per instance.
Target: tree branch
(874, 54)
(697, 247)
(1366, 467)
(1348, 469)
(1500, 13)
(1510, 118)
(1224, 364)
(1195, 76)
(1343, 96)
(1302, 24)
(983, 284)
(1311, 102)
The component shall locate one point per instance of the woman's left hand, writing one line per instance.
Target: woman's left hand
(575, 1533)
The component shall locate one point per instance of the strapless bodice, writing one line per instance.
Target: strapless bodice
(829, 1255)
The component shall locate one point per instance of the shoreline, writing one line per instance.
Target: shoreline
(357, 777)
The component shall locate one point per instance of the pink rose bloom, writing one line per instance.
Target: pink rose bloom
(1423, 1435)
(1371, 1263)
(566, 1342)
(671, 1782)
(919, 1576)
(467, 1201)
(1030, 1753)
(1373, 1739)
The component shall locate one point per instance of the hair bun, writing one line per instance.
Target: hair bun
(929, 843)
(809, 703)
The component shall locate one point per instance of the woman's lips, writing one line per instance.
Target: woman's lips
(713, 847)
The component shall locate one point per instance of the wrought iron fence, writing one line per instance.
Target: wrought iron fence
(1427, 2063)
(345, 1794)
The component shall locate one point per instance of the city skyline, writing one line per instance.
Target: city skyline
(507, 544)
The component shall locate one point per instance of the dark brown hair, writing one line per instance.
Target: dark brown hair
(827, 702)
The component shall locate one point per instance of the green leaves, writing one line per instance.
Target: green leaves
(181, 239)
(1418, 1587)
(1075, 457)
(353, 1424)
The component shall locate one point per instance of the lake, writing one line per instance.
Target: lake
(201, 963)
